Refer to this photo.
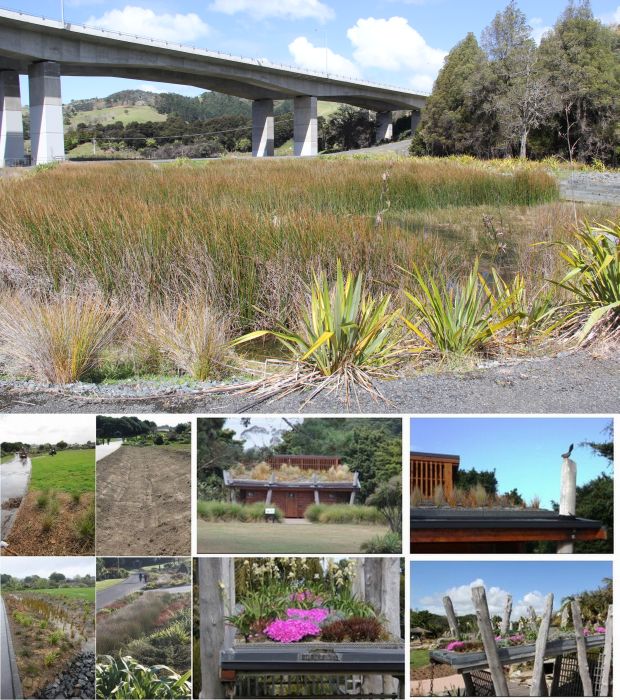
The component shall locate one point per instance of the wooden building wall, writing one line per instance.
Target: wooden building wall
(427, 472)
(293, 502)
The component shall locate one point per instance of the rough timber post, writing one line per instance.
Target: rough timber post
(568, 498)
(46, 125)
(262, 128)
(305, 127)
(384, 127)
(378, 582)
(452, 619)
(479, 599)
(582, 654)
(607, 653)
(506, 617)
(539, 685)
(11, 122)
(216, 584)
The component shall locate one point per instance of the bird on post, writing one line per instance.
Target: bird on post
(566, 455)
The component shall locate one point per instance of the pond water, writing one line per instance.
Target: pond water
(14, 477)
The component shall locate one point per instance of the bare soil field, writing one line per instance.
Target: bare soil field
(143, 502)
(36, 532)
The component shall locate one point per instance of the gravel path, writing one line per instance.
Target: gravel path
(600, 188)
(577, 382)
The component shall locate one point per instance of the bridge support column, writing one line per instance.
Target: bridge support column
(46, 127)
(385, 128)
(305, 129)
(415, 121)
(262, 128)
(11, 124)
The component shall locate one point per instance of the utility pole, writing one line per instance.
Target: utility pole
(94, 146)
(62, 12)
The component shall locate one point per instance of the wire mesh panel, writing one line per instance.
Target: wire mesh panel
(301, 686)
(482, 683)
(566, 679)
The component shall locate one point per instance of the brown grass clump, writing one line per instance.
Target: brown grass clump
(191, 336)
(289, 472)
(59, 338)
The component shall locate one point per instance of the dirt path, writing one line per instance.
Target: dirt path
(143, 502)
(10, 685)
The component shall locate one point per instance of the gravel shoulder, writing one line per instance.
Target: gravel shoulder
(592, 187)
(578, 382)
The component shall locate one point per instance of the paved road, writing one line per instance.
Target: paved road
(10, 685)
(102, 451)
(120, 590)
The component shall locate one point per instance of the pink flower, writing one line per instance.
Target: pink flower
(291, 630)
(600, 630)
(453, 646)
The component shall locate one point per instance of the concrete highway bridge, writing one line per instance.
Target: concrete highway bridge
(44, 49)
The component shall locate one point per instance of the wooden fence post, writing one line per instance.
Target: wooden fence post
(506, 618)
(607, 653)
(215, 584)
(582, 654)
(539, 684)
(452, 619)
(479, 599)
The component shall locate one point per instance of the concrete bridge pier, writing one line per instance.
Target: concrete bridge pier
(262, 128)
(385, 127)
(46, 127)
(11, 123)
(415, 120)
(305, 128)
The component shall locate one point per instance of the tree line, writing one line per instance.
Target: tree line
(508, 96)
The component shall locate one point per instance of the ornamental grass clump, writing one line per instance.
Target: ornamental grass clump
(346, 338)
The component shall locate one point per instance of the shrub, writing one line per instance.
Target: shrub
(354, 629)
(126, 678)
(390, 543)
(323, 513)
(58, 339)
(85, 528)
(221, 510)
(43, 500)
(158, 440)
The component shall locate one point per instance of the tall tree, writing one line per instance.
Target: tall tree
(455, 118)
(582, 57)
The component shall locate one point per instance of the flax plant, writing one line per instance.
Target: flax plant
(346, 338)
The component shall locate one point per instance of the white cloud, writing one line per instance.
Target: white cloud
(616, 15)
(538, 29)
(393, 44)
(287, 9)
(496, 599)
(306, 55)
(144, 22)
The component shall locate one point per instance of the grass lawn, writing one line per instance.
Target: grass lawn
(284, 538)
(69, 471)
(419, 658)
(119, 113)
(81, 593)
(108, 583)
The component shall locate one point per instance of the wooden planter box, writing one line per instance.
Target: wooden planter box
(477, 660)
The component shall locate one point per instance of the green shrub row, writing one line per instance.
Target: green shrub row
(322, 513)
(221, 510)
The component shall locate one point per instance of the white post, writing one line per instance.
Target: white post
(539, 684)
(46, 127)
(305, 128)
(11, 123)
(506, 617)
(262, 128)
(568, 498)
(385, 128)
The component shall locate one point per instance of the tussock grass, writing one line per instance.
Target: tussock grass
(323, 513)
(57, 339)
(221, 510)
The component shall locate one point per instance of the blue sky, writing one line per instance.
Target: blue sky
(525, 452)
(401, 42)
(528, 582)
